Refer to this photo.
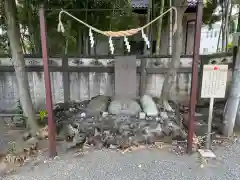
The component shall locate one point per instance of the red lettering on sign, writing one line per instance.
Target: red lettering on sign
(215, 68)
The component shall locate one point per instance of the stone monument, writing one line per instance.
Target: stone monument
(125, 86)
(125, 77)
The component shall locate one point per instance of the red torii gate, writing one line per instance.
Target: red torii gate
(194, 85)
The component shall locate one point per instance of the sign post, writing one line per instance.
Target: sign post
(214, 83)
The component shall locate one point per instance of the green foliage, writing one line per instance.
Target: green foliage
(42, 119)
(19, 108)
(209, 17)
(20, 119)
(113, 19)
(11, 147)
(232, 28)
(236, 1)
(28, 18)
(208, 12)
(156, 9)
(118, 16)
(230, 45)
(4, 49)
(42, 114)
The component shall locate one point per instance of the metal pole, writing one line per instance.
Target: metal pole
(193, 98)
(51, 123)
(208, 143)
(170, 29)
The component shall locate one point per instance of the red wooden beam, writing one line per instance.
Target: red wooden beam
(51, 123)
(194, 85)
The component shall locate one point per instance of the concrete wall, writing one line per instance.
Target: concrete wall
(84, 85)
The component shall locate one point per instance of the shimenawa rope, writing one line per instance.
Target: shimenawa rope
(111, 34)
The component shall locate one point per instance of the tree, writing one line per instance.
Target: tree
(159, 28)
(181, 6)
(208, 18)
(16, 15)
(232, 104)
(76, 35)
(13, 32)
(4, 48)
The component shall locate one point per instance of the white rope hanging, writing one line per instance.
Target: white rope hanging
(127, 43)
(60, 27)
(112, 34)
(91, 38)
(111, 45)
(145, 39)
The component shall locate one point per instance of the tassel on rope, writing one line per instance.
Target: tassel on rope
(60, 27)
(127, 43)
(91, 37)
(175, 22)
(111, 45)
(174, 28)
(145, 39)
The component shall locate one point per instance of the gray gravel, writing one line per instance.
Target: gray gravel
(149, 164)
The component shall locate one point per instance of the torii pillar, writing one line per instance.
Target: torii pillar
(51, 123)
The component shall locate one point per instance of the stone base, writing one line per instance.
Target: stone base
(124, 131)
(121, 130)
(122, 106)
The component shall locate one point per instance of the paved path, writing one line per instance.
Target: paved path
(139, 165)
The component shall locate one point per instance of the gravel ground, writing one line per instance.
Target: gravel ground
(149, 164)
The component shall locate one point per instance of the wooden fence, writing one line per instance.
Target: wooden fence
(81, 78)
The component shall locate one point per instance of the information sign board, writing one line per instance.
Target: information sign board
(214, 81)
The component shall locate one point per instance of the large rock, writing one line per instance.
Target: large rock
(128, 107)
(149, 106)
(178, 133)
(200, 125)
(98, 104)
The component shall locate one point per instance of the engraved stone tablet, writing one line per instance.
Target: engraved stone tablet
(125, 77)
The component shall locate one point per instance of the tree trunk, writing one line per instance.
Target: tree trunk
(226, 29)
(231, 111)
(79, 42)
(228, 24)
(85, 43)
(236, 49)
(66, 36)
(225, 9)
(231, 107)
(159, 30)
(143, 77)
(19, 64)
(175, 62)
(33, 32)
(149, 14)
(31, 36)
(23, 45)
(219, 37)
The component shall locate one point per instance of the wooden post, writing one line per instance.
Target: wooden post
(210, 114)
(143, 77)
(51, 122)
(194, 84)
(65, 79)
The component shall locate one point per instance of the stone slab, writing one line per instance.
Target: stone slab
(125, 77)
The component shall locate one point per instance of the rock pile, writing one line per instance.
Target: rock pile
(124, 125)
